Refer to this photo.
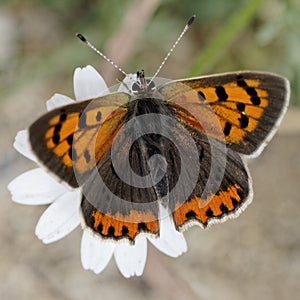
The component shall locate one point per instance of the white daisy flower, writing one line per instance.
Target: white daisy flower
(36, 187)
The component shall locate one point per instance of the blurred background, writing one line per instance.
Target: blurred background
(254, 256)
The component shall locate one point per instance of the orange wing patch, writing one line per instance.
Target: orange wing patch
(226, 111)
(93, 144)
(74, 137)
(239, 108)
(81, 138)
(77, 137)
(119, 226)
(225, 202)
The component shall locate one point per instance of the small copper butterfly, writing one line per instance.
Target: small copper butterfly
(184, 143)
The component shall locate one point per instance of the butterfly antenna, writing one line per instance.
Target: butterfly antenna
(83, 39)
(188, 24)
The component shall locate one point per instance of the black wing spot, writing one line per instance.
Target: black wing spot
(209, 213)
(56, 135)
(142, 226)
(63, 117)
(87, 156)
(201, 96)
(255, 100)
(190, 214)
(241, 106)
(124, 230)
(224, 208)
(227, 128)
(244, 121)
(98, 116)
(241, 83)
(253, 94)
(55, 139)
(57, 128)
(251, 91)
(70, 139)
(100, 228)
(111, 231)
(221, 93)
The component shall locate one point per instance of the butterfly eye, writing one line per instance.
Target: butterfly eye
(151, 85)
(136, 88)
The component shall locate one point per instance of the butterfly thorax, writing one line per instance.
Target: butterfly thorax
(148, 103)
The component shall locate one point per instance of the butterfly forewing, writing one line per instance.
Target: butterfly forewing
(70, 139)
(247, 105)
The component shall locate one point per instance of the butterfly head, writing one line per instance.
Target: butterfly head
(142, 85)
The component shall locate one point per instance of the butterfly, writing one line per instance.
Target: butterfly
(182, 143)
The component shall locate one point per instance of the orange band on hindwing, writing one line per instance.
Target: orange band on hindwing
(203, 210)
(120, 226)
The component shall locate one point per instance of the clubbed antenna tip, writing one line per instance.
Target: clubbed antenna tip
(191, 20)
(186, 27)
(81, 37)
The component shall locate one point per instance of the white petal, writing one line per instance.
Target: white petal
(60, 218)
(21, 144)
(35, 187)
(127, 83)
(58, 100)
(95, 253)
(88, 84)
(131, 259)
(170, 241)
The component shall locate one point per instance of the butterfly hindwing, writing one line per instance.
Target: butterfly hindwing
(223, 188)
